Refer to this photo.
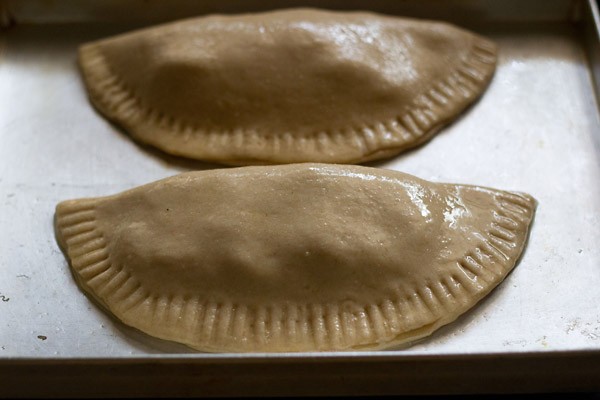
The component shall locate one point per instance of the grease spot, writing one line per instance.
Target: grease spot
(591, 331)
(518, 342)
(542, 341)
(571, 325)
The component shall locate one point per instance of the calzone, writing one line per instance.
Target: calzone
(287, 86)
(300, 257)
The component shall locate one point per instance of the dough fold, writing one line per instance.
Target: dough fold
(301, 257)
(287, 86)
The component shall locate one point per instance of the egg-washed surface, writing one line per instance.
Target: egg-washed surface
(287, 86)
(307, 257)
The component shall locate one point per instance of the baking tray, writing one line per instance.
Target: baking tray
(536, 129)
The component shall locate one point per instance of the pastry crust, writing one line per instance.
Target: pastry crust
(287, 86)
(306, 257)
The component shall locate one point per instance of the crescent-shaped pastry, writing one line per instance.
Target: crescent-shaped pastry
(306, 257)
(287, 86)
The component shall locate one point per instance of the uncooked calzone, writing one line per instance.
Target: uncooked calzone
(287, 86)
(293, 258)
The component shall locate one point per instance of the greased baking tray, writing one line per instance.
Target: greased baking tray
(536, 129)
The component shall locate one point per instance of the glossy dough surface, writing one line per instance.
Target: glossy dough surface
(293, 258)
(287, 86)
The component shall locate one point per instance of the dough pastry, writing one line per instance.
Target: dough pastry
(287, 86)
(293, 258)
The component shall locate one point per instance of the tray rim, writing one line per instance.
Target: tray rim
(531, 372)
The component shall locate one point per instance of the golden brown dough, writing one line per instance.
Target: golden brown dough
(287, 86)
(293, 258)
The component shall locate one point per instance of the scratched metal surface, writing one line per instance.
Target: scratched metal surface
(536, 129)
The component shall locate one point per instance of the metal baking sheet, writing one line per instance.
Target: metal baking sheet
(536, 129)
